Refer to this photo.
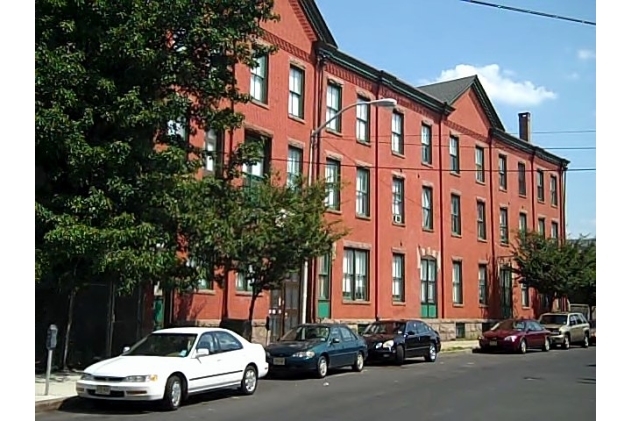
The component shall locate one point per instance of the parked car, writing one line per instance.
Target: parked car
(170, 365)
(398, 340)
(566, 328)
(515, 335)
(317, 348)
(592, 332)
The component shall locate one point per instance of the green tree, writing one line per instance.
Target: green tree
(261, 229)
(557, 269)
(283, 227)
(544, 264)
(119, 88)
(582, 285)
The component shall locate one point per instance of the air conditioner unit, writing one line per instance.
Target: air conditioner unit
(397, 218)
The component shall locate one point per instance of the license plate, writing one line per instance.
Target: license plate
(278, 361)
(493, 343)
(102, 390)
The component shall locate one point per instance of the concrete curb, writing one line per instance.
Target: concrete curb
(51, 404)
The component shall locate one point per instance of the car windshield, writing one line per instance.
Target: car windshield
(306, 333)
(387, 328)
(553, 319)
(510, 325)
(164, 345)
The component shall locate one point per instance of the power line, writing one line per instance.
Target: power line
(530, 12)
(421, 167)
(418, 143)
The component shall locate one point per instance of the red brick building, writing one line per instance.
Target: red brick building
(433, 191)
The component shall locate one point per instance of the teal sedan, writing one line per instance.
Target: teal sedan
(316, 348)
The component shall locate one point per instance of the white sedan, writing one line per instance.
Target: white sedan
(171, 364)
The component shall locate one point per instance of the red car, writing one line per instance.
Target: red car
(515, 335)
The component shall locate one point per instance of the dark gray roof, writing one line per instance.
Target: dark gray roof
(450, 90)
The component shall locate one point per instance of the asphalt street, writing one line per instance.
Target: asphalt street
(553, 385)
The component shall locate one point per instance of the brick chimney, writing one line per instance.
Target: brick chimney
(524, 126)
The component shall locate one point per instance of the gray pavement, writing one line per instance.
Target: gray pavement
(554, 385)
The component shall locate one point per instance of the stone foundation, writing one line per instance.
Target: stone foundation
(449, 329)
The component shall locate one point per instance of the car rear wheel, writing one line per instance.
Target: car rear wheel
(585, 343)
(359, 362)
(523, 346)
(431, 353)
(173, 393)
(546, 345)
(566, 342)
(250, 381)
(323, 367)
(399, 354)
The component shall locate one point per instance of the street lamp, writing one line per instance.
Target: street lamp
(313, 139)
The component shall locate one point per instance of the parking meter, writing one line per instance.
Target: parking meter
(51, 337)
(51, 344)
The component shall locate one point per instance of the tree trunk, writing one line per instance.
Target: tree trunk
(111, 312)
(255, 295)
(64, 358)
(550, 302)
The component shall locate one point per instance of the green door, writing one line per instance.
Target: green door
(429, 308)
(324, 287)
(506, 293)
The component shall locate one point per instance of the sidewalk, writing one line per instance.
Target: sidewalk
(62, 385)
(458, 345)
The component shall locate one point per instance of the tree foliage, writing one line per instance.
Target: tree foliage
(262, 229)
(556, 269)
(119, 87)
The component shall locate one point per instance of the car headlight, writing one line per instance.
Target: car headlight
(142, 379)
(304, 354)
(378, 345)
(86, 376)
(388, 344)
(511, 338)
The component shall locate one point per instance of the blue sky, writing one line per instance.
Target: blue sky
(527, 63)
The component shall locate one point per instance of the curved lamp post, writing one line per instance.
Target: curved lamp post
(313, 140)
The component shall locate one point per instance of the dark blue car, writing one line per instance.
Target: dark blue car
(317, 348)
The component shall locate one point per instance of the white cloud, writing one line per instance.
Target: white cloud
(501, 85)
(585, 54)
(573, 76)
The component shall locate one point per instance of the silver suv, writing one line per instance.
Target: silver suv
(566, 329)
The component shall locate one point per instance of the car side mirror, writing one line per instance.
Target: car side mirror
(335, 340)
(126, 349)
(202, 352)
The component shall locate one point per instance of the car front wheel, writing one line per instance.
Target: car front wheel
(173, 393)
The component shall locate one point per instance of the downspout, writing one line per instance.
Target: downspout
(376, 223)
(318, 88)
(494, 274)
(562, 218)
(563, 174)
(533, 190)
(226, 276)
(442, 209)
